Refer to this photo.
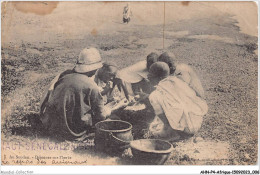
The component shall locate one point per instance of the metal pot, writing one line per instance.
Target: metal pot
(150, 151)
(113, 136)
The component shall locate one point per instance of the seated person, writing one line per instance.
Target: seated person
(184, 72)
(175, 104)
(75, 103)
(99, 77)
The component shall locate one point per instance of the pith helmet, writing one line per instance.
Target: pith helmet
(89, 59)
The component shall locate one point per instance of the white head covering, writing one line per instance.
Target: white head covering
(89, 60)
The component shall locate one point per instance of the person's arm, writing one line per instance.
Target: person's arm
(97, 105)
(131, 14)
(44, 103)
(154, 101)
(46, 95)
(157, 125)
(196, 85)
(121, 86)
(107, 89)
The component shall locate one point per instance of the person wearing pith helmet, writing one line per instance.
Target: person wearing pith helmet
(75, 103)
(89, 60)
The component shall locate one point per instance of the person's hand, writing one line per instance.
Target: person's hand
(107, 88)
(107, 111)
(141, 96)
(121, 104)
(157, 126)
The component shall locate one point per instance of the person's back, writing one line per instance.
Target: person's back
(174, 102)
(178, 105)
(184, 72)
(188, 75)
(72, 84)
(74, 103)
(71, 101)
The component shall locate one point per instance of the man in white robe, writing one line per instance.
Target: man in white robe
(174, 102)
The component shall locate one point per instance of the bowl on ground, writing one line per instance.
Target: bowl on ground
(150, 151)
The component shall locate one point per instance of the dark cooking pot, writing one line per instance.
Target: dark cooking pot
(113, 136)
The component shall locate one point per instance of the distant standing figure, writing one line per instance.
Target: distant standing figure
(126, 14)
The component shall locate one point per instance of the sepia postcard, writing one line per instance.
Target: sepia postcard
(129, 83)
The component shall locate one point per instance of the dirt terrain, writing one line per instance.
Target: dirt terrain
(224, 57)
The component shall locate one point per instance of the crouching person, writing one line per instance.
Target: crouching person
(76, 102)
(177, 107)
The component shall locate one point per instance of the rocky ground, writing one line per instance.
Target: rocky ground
(223, 57)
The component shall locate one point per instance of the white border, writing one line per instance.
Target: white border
(124, 169)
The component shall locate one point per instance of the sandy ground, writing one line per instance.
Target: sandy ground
(70, 20)
(216, 39)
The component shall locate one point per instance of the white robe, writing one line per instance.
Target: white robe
(178, 101)
(187, 74)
